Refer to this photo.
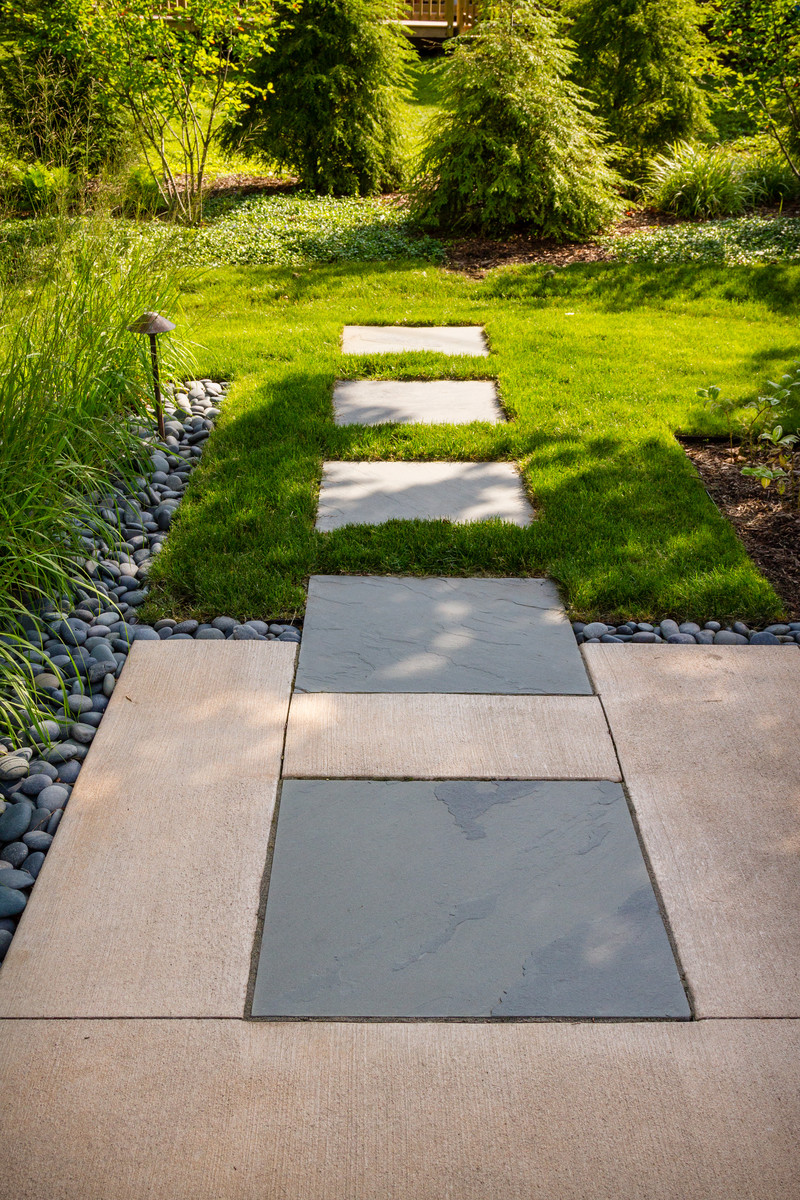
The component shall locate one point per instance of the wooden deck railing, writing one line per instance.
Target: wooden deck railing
(447, 17)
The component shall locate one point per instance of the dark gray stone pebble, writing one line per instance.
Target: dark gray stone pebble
(289, 635)
(226, 624)
(607, 637)
(15, 821)
(15, 853)
(18, 879)
(78, 704)
(37, 839)
(764, 639)
(209, 634)
(54, 822)
(53, 797)
(669, 628)
(705, 637)
(5, 942)
(11, 902)
(740, 628)
(62, 751)
(33, 863)
(713, 626)
(70, 772)
(185, 627)
(726, 637)
(145, 634)
(644, 635)
(34, 784)
(681, 639)
(777, 629)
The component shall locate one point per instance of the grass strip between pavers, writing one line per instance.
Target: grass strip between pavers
(598, 368)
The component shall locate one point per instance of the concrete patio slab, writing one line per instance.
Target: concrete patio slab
(459, 899)
(242, 1110)
(399, 339)
(445, 401)
(371, 493)
(147, 902)
(375, 633)
(397, 735)
(708, 747)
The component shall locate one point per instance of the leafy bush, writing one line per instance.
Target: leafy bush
(141, 194)
(768, 174)
(328, 99)
(516, 142)
(699, 181)
(742, 242)
(36, 188)
(53, 107)
(70, 378)
(641, 61)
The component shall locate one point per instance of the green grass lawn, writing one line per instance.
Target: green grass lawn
(598, 367)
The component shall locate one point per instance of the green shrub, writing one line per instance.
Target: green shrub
(53, 107)
(641, 61)
(768, 174)
(70, 378)
(328, 99)
(699, 181)
(517, 142)
(36, 188)
(141, 194)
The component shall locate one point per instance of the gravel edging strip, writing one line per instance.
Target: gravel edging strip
(86, 647)
(688, 633)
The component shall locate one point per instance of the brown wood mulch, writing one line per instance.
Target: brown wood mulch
(770, 532)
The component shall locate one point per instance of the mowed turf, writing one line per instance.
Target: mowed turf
(598, 368)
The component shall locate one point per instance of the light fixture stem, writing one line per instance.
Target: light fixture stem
(157, 386)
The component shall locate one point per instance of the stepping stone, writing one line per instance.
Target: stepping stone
(707, 742)
(148, 901)
(461, 899)
(371, 493)
(503, 1110)
(371, 633)
(445, 402)
(396, 736)
(398, 339)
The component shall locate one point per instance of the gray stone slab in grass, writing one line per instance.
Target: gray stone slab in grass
(395, 339)
(461, 899)
(442, 402)
(371, 493)
(371, 633)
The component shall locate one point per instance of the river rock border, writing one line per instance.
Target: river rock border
(689, 633)
(84, 642)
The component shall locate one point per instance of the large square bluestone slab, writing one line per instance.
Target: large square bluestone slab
(371, 493)
(402, 339)
(461, 899)
(371, 633)
(408, 401)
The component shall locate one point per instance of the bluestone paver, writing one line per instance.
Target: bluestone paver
(426, 736)
(264, 1110)
(372, 633)
(706, 737)
(371, 493)
(459, 898)
(398, 339)
(443, 401)
(148, 899)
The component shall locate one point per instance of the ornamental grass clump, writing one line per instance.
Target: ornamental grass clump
(517, 143)
(74, 385)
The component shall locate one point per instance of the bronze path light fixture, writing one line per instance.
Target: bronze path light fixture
(152, 324)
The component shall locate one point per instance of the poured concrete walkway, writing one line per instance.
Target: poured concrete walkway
(146, 1100)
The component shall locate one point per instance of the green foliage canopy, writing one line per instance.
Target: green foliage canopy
(517, 142)
(53, 109)
(641, 60)
(325, 102)
(760, 48)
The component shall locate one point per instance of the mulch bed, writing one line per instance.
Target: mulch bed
(770, 533)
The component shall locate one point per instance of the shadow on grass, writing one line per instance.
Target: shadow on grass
(624, 527)
(615, 287)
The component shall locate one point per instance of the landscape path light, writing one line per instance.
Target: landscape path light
(152, 324)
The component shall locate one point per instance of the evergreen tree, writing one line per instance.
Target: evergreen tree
(328, 97)
(640, 60)
(517, 143)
